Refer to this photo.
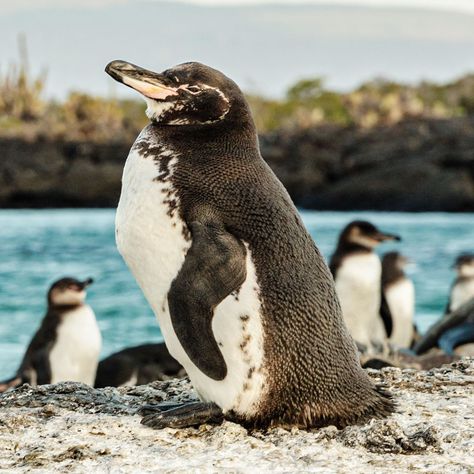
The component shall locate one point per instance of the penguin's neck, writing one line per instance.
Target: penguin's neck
(392, 274)
(347, 247)
(62, 308)
(229, 136)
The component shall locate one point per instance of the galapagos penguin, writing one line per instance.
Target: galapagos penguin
(462, 289)
(67, 344)
(243, 297)
(460, 338)
(398, 300)
(357, 273)
(137, 365)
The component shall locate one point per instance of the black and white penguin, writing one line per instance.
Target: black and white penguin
(243, 297)
(357, 273)
(398, 300)
(137, 365)
(462, 290)
(66, 346)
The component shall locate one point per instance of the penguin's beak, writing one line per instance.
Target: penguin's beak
(87, 283)
(383, 236)
(150, 84)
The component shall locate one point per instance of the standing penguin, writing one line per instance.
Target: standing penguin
(459, 339)
(243, 297)
(357, 273)
(462, 289)
(398, 300)
(66, 347)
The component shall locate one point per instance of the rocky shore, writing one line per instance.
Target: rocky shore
(415, 165)
(74, 428)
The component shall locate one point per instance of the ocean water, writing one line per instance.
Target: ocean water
(39, 246)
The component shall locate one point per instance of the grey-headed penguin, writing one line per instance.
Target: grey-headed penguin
(357, 272)
(67, 344)
(398, 300)
(244, 299)
(137, 365)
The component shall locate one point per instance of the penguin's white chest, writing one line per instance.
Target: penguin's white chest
(153, 241)
(358, 288)
(75, 354)
(401, 301)
(461, 293)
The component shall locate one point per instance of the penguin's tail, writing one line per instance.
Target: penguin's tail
(378, 403)
(10, 383)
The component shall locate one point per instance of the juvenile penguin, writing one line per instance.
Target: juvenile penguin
(357, 273)
(137, 366)
(244, 299)
(398, 300)
(462, 290)
(67, 344)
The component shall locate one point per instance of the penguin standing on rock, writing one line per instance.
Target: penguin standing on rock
(357, 273)
(398, 300)
(66, 347)
(462, 289)
(243, 297)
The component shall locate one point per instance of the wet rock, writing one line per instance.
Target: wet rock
(71, 427)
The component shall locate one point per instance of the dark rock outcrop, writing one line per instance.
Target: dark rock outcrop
(416, 165)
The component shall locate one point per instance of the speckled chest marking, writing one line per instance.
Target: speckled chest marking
(75, 354)
(153, 241)
(358, 287)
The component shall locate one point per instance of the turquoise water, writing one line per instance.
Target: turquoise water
(38, 247)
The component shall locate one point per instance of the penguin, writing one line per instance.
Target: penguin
(462, 290)
(67, 344)
(357, 273)
(243, 297)
(137, 365)
(398, 300)
(459, 339)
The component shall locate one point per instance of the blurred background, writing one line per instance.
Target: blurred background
(365, 109)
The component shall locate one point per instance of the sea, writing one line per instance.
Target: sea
(40, 246)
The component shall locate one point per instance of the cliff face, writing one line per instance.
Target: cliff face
(418, 165)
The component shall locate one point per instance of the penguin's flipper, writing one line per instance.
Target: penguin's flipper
(214, 267)
(189, 414)
(386, 315)
(42, 366)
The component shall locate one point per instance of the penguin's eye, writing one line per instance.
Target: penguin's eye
(194, 89)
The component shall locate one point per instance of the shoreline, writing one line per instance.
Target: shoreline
(76, 428)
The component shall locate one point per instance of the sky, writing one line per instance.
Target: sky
(265, 48)
(451, 5)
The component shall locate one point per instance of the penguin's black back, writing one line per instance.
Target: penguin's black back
(147, 362)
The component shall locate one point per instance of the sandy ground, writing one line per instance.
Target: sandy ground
(73, 428)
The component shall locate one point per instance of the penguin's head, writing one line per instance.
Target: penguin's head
(365, 234)
(187, 94)
(395, 260)
(464, 265)
(68, 292)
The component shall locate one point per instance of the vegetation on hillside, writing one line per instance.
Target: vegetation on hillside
(25, 112)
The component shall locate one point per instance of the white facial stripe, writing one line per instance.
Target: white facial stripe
(466, 270)
(152, 91)
(364, 241)
(68, 297)
(155, 109)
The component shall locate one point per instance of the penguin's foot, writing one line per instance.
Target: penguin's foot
(157, 408)
(184, 416)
